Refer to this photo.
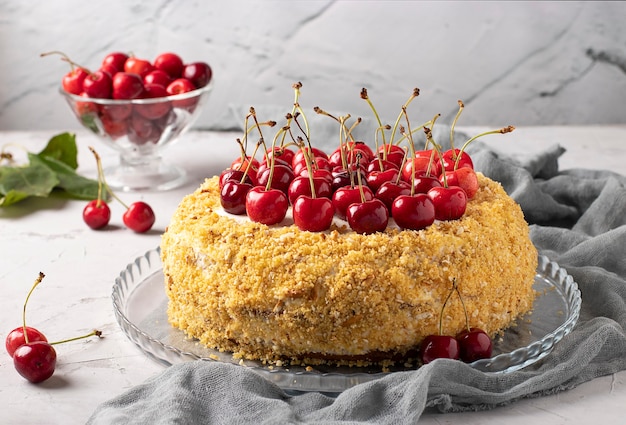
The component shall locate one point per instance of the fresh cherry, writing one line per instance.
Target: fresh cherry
(156, 110)
(158, 77)
(474, 345)
(237, 175)
(464, 177)
(439, 346)
(414, 212)
(115, 60)
(390, 190)
(344, 196)
(170, 63)
(455, 158)
(266, 206)
(16, 338)
(450, 202)
(199, 73)
(138, 66)
(233, 196)
(98, 84)
(279, 178)
(368, 217)
(127, 86)
(180, 86)
(139, 217)
(96, 214)
(35, 361)
(301, 185)
(376, 178)
(313, 214)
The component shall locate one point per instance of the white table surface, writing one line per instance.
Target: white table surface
(81, 265)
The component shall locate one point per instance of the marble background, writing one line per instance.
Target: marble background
(521, 63)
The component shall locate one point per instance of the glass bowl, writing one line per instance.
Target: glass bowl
(139, 130)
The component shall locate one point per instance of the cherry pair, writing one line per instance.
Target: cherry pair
(34, 357)
(138, 216)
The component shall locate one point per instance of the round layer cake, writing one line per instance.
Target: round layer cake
(278, 294)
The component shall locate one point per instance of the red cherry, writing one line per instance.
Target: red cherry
(439, 347)
(138, 66)
(180, 86)
(464, 177)
(450, 202)
(345, 196)
(98, 85)
(35, 361)
(450, 157)
(237, 175)
(266, 206)
(117, 112)
(96, 214)
(298, 156)
(423, 183)
(15, 338)
(157, 110)
(233, 196)
(376, 178)
(157, 77)
(281, 178)
(419, 166)
(127, 86)
(282, 153)
(139, 217)
(322, 173)
(115, 60)
(380, 165)
(392, 153)
(474, 345)
(72, 82)
(142, 130)
(313, 214)
(301, 185)
(263, 165)
(242, 164)
(199, 73)
(390, 190)
(368, 217)
(170, 63)
(413, 212)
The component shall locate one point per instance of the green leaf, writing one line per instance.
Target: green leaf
(76, 186)
(17, 183)
(62, 147)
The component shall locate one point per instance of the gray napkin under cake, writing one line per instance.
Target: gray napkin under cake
(578, 220)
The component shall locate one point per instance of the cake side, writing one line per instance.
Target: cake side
(277, 293)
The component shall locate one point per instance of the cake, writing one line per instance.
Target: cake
(280, 295)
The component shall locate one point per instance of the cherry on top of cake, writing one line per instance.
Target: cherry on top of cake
(363, 185)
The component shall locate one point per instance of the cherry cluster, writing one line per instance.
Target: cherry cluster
(138, 216)
(34, 357)
(364, 186)
(127, 77)
(469, 345)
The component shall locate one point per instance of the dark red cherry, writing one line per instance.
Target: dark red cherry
(439, 347)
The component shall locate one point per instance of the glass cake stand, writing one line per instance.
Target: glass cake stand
(140, 304)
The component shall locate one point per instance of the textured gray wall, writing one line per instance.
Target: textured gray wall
(522, 63)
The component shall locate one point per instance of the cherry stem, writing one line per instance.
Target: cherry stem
(358, 177)
(309, 167)
(456, 288)
(95, 332)
(443, 307)
(365, 97)
(437, 148)
(102, 179)
(411, 147)
(456, 118)
(296, 107)
(416, 92)
(65, 58)
(37, 282)
(502, 130)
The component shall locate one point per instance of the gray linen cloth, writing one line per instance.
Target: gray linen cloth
(578, 219)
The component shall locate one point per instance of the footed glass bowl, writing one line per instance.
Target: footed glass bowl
(139, 129)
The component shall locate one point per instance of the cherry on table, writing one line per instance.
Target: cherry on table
(35, 361)
(96, 214)
(139, 217)
(16, 338)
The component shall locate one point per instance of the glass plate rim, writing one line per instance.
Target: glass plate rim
(149, 264)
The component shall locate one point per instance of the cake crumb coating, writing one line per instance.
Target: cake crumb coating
(278, 294)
